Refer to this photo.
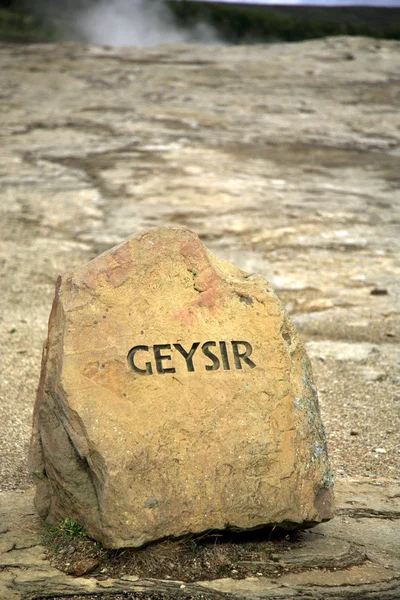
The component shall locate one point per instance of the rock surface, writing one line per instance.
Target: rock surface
(284, 158)
(175, 397)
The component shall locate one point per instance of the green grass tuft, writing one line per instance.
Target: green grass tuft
(69, 528)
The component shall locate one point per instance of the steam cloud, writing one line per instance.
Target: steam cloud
(133, 23)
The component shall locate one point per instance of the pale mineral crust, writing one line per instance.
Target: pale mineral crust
(175, 397)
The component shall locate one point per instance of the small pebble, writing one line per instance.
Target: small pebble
(380, 450)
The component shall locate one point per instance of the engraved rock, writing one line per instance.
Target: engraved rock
(175, 397)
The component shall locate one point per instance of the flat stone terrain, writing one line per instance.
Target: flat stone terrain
(357, 555)
(283, 158)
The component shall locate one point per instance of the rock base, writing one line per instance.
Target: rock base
(356, 555)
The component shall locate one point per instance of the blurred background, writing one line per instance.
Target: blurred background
(149, 22)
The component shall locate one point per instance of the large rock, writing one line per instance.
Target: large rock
(175, 397)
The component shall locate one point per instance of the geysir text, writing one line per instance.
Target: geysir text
(146, 360)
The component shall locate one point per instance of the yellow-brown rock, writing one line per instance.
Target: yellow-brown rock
(175, 397)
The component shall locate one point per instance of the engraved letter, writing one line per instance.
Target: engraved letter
(188, 356)
(160, 357)
(239, 356)
(131, 355)
(224, 354)
(209, 354)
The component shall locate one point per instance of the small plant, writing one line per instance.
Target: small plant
(70, 528)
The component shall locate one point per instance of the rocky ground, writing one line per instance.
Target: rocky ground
(355, 556)
(284, 158)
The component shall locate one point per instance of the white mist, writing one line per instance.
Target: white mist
(135, 23)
